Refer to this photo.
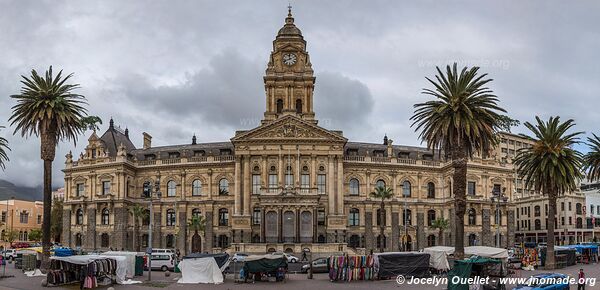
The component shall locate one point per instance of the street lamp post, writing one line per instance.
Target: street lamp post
(498, 197)
(405, 239)
(148, 193)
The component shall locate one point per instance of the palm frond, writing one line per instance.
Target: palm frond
(3, 154)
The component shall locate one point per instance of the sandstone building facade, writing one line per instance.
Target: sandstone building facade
(287, 184)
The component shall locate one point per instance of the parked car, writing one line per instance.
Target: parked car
(533, 283)
(9, 254)
(163, 251)
(290, 258)
(162, 261)
(239, 257)
(318, 266)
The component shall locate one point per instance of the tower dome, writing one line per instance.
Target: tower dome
(289, 29)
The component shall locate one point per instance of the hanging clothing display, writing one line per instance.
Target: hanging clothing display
(349, 268)
(63, 272)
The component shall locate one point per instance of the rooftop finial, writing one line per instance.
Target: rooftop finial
(111, 124)
(289, 19)
(289, 9)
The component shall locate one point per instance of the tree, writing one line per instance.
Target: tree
(47, 108)
(35, 235)
(551, 166)
(197, 223)
(11, 236)
(3, 148)
(441, 224)
(56, 225)
(591, 160)
(383, 193)
(461, 121)
(139, 214)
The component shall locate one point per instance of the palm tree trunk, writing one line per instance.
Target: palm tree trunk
(381, 226)
(550, 259)
(441, 232)
(136, 233)
(459, 163)
(45, 265)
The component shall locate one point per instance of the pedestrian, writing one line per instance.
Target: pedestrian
(581, 280)
(304, 256)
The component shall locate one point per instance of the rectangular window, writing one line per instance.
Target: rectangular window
(80, 189)
(272, 181)
(562, 206)
(591, 209)
(503, 140)
(289, 179)
(256, 216)
(39, 219)
(321, 184)
(497, 189)
(305, 181)
(321, 217)
(511, 151)
(256, 184)
(3, 217)
(562, 220)
(24, 217)
(105, 187)
(471, 188)
(569, 207)
(570, 220)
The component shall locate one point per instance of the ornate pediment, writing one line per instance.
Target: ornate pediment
(289, 128)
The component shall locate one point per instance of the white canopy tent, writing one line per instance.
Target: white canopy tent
(129, 260)
(439, 254)
(200, 270)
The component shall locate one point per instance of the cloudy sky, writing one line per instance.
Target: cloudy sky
(175, 68)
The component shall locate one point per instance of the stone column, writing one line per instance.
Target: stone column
(247, 188)
(340, 184)
(510, 227)
(237, 186)
(369, 238)
(280, 171)
(330, 187)
(182, 236)
(90, 237)
(208, 233)
(393, 244)
(264, 172)
(65, 237)
(210, 184)
(486, 234)
(120, 226)
(313, 171)
(421, 240)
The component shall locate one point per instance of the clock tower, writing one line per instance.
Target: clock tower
(289, 80)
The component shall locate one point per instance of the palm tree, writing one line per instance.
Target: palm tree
(551, 166)
(591, 160)
(196, 223)
(441, 224)
(47, 108)
(3, 148)
(383, 193)
(139, 214)
(462, 120)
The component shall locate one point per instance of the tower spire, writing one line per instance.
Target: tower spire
(289, 19)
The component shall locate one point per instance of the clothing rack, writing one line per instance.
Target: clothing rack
(63, 273)
(351, 268)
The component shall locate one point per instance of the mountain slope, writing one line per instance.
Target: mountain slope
(8, 189)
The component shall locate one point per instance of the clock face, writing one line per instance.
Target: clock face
(289, 59)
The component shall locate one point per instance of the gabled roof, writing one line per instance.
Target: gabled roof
(113, 137)
(289, 127)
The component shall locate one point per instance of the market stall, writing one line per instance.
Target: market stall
(94, 270)
(438, 257)
(477, 268)
(351, 268)
(130, 258)
(265, 267)
(408, 264)
(203, 268)
(588, 253)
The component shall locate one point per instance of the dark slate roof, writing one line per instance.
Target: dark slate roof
(365, 149)
(113, 137)
(184, 150)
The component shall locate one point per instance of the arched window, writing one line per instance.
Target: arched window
(279, 106)
(306, 227)
(579, 222)
(430, 190)
(170, 217)
(78, 240)
(430, 240)
(354, 186)
(381, 219)
(321, 239)
(223, 217)
(104, 240)
(105, 219)
(472, 240)
(430, 217)
(354, 217)
(354, 241)
(578, 208)
(380, 183)
(271, 227)
(196, 187)
(170, 241)
(537, 211)
(538, 225)
(171, 188)
(406, 188)
(289, 227)
(299, 106)
(79, 217)
(472, 217)
(196, 212)
(223, 186)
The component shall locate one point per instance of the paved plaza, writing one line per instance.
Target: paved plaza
(295, 281)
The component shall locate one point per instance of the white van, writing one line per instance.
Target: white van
(163, 251)
(163, 261)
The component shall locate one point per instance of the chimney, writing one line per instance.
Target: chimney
(127, 133)
(385, 139)
(194, 139)
(147, 140)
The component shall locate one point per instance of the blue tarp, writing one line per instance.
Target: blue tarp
(580, 248)
(63, 252)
